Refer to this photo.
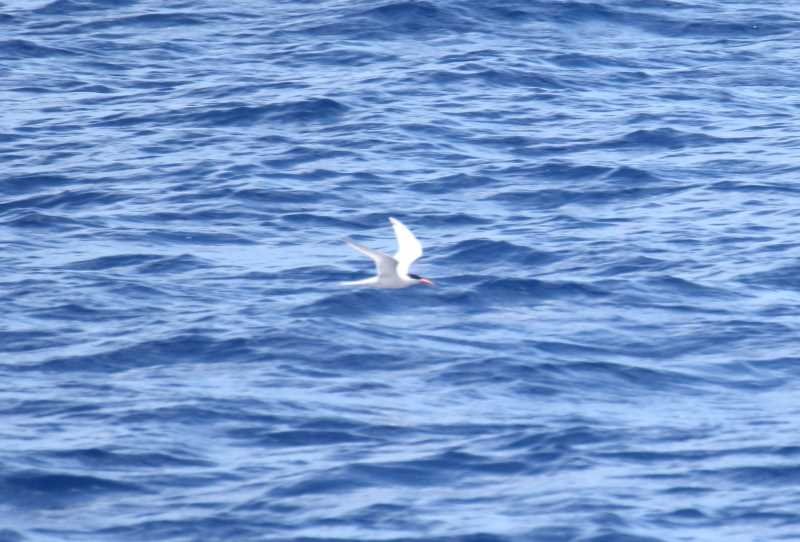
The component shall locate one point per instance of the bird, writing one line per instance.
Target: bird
(392, 271)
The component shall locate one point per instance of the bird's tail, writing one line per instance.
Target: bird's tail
(363, 282)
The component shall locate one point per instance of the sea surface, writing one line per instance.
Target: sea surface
(608, 194)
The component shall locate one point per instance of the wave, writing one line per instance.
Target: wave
(49, 489)
(73, 7)
(193, 348)
(19, 49)
(555, 198)
(313, 110)
(485, 252)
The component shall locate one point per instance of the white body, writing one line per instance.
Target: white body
(392, 271)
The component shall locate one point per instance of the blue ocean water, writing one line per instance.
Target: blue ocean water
(607, 193)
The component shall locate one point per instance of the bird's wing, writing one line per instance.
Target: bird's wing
(385, 264)
(408, 247)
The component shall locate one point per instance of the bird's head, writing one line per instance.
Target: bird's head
(421, 280)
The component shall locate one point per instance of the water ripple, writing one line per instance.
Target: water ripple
(606, 196)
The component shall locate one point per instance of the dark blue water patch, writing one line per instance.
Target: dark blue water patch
(313, 111)
(770, 475)
(474, 465)
(300, 273)
(688, 491)
(179, 348)
(74, 312)
(332, 483)
(634, 265)
(496, 371)
(486, 291)
(368, 360)
(681, 96)
(369, 26)
(27, 341)
(503, 141)
(28, 220)
(48, 408)
(320, 174)
(280, 439)
(400, 473)
(545, 451)
(174, 264)
(64, 199)
(6, 137)
(472, 74)
(586, 60)
(414, 17)
(616, 536)
(201, 413)
(336, 55)
(302, 154)
(739, 166)
(483, 252)
(308, 274)
(152, 21)
(678, 287)
(632, 175)
(376, 517)
(327, 423)
(785, 367)
(111, 262)
(18, 49)
(43, 489)
(453, 182)
(454, 221)
(748, 514)
(198, 214)
(320, 221)
(606, 18)
(274, 196)
(643, 139)
(672, 457)
(514, 290)
(7, 535)
(467, 340)
(215, 528)
(788, 189)
(556, 198)
(659, 23)
(361, 302)
(629, 379)
(70, 7)
(436, 133)
(661, 138)
(668, 138)
(413, 473)
(320, 362)
(174, 237)
(785, 277)
(722, 31)
(562, 170)
(101, 459)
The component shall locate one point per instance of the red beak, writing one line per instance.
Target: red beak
(426, 282)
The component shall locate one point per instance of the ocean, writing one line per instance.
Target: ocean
(608, 197)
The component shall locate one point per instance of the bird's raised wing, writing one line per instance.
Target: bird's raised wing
(385, 264)
(408, 247)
